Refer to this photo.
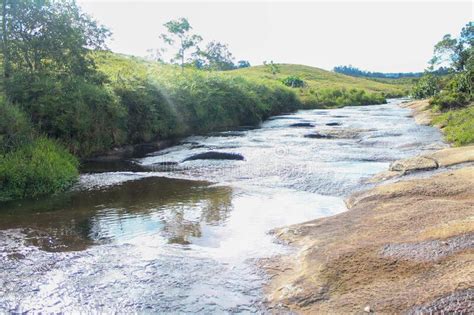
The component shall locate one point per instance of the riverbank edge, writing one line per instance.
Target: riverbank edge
(404, 246)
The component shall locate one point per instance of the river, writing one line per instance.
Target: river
(186, 237)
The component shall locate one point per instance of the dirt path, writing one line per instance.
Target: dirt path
(405, 246)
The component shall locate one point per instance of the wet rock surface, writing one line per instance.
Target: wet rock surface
(302, 124)
(398, 249)
(213, 155)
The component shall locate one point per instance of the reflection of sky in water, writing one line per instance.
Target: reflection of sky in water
(135, 242)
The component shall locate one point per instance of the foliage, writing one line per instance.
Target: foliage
(272, 67)
(162, 102)
(427, 86)
(84, 116)
(356, 72)
(455, 51)
(458, 125)
(15, 129)
(328, 98)
(243, 64)
(293, 81)
(52, 36)
(216, 56)
(37, 168)
(179, 32)
(325, 83)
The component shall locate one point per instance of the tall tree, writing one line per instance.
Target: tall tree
(51, 36)
(217, 57)
(455, 51)
(179, 32)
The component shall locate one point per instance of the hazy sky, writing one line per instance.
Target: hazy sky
(377, 36)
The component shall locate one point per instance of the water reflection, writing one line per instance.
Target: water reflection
(171, 208)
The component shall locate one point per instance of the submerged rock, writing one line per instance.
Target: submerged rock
(167, 163)
(212, 155)
(317, 135)
(302, 124)
(333, 124)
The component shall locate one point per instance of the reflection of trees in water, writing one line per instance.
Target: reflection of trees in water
(211, 206)
(77, 220)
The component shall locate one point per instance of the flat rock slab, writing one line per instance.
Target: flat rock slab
(453, 156)
(418, 163)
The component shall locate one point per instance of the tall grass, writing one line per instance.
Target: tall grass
(458, 125)
(37, 168)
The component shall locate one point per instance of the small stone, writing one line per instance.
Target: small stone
(367, 309)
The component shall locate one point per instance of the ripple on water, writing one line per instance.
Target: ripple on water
(185, 238)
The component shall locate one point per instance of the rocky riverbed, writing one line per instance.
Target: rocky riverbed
(405, 246)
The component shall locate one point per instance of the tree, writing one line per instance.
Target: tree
(217, 57)
(179, 32)
(49, 36)
(455, 51)
(271, 67)
(243, 64)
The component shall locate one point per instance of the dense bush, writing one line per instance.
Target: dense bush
(37, 168)
(85, 116)
(427, 86)
(293, 81)
(447, 100)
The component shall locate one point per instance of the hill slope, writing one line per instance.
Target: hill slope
(318, 80)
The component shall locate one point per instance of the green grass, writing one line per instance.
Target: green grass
(458, 125)
(38, 168)
(318, 80)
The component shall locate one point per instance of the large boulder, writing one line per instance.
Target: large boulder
(213, 155)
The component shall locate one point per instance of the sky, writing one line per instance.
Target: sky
(384, 36)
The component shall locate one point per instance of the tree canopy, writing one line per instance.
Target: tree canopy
(51, 36)
(179, 33)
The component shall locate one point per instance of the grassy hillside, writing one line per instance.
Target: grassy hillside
(318, 80)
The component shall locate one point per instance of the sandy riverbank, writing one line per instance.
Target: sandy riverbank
(404, 246)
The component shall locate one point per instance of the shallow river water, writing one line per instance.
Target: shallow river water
(186, 237)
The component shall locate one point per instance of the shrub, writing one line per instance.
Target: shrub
(293, 81)
(449, 100)
(38, 168)
(427, 86)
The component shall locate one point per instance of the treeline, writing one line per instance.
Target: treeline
(64, 97)
(356, 72)
(452, 96)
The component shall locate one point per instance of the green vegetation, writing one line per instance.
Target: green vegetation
(452, 95)
(37, 168)
(325, 89)
(293, 81)
(64, 96)
(458, 125)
